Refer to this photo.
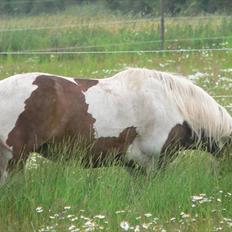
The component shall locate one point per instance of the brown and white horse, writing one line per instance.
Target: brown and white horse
(142, 114)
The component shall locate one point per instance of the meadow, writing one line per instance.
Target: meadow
(194, 193)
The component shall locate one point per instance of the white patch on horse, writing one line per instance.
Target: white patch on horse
(112, 106)
(12, 101)
(128, 99)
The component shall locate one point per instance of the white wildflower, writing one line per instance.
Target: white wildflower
(72, 227)
(184, 215)
(146, 225)
(147, 214)
(137, 228)
(74, 219)
(89, 226)
(120, 211)
(198, 198)
(173, 219)
(125, 225)
(99, 216)
(39, 209)
(76, 230)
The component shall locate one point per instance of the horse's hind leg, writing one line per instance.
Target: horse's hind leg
(5, 156)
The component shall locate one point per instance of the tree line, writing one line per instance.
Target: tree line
(172, 7)
(142, 7)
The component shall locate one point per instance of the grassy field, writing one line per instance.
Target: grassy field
(193, 194)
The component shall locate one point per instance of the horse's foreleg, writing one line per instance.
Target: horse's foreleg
(167, 156)
(18, 159)
(137, 159)
(164, 159)
(5, 156)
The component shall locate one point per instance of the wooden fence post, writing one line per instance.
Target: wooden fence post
(162, 24)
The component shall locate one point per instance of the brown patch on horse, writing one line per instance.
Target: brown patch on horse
(180, 136)
(57, 107)
(117, 145)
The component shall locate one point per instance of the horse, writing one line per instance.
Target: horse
(144, 115)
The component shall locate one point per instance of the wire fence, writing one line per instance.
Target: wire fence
(127, 43)
(223, 96)
(139, 52)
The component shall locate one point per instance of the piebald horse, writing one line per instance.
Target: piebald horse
(144, 115)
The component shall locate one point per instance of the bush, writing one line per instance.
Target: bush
(15, 7)
(147, 7)
(142, 7)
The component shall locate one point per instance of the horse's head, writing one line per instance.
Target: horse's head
(230, 137)
(227, 143)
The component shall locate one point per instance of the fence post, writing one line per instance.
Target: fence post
(162, 24)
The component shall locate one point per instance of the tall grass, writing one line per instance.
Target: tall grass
(52, 194)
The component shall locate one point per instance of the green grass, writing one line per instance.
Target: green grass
(65, 191)
(113, 192)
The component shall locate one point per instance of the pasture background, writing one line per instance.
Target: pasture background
(193, 194)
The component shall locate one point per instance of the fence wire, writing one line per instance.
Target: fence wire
(126, 43)
(139, 52)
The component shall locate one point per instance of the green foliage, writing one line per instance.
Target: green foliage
(141, 7)
(17, 7)
(197, 6)
(147, 7)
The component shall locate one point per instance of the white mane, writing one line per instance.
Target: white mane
(198, 108)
